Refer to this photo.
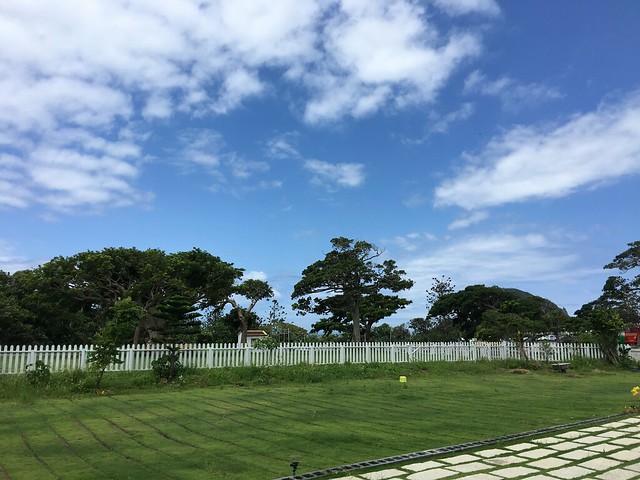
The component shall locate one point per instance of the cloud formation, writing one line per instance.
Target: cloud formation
(513, 95)
(105, 68)
(532, 261)
(550, 161)
(331, 175)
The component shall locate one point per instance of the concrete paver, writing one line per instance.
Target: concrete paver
(607, 452)
(460, 459)
(471, 467)
(548, 463)
(601, 463)
(434, 474)
(579, 454)
(514, 472)
(617, 474)
(570, 472)
(383, 474)
(537, 453)
(416, 467)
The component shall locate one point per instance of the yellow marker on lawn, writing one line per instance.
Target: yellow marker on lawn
(403, 379)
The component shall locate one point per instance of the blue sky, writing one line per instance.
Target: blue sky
(490, 142)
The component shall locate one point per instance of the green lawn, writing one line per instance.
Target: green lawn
(254, 432)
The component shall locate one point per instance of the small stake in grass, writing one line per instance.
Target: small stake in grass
(403, 380)
(294, 467)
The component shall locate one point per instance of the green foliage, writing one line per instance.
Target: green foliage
(466, 309)
(68, 299)
(125, 316)
(253, 290)
(100, 358)
(179, 320)
(168, 367)
(605, 324)
(38, 375)
(350, 286)
(387, 333)
(220, 327)
(268, 343)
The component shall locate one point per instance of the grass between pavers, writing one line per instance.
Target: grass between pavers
(254, 427)
(580, 460)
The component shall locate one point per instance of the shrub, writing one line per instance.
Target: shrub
(168, 366)
(38, 376)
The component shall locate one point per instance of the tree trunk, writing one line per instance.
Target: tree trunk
(355, 318)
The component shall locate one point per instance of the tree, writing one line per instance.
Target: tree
(223, 327)
(439, 288)
(623, 294)
(15, 321)
(466, 308)
(252, 290)
(513, 320)
(377, 306)
(607, 325)
(276, 313)
(617, 307)
(180, 320)
(387, 333)
(68, 298)
(125, 316)
(436, 328)
(344, 279)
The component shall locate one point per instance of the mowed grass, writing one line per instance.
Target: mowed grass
(255, 431)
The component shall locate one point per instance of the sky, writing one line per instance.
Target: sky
(490, 142)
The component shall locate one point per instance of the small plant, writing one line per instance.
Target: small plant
(547, 350)
(635, 391)
(103, 355)
(168, 366)
(38, 376)
(268, 343)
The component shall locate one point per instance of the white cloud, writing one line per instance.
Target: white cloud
(255, 275)
(243, 169)
(513, 94)
(206, 149)
(410, 242)
(103, 66)
(283, 146)
(10, 262)
(468, 220)
(550, 161)
(339, 174)
(532, 262)
(158, 106)
(415, 200)
(201, 148)
(463, 7)
(441, 123)
(379, 53)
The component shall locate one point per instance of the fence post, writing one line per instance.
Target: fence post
(247, 355)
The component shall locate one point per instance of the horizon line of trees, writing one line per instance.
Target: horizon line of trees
(194, 296)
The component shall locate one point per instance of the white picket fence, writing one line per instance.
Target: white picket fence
(16, 359)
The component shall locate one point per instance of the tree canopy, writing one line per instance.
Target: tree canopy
(68, 299)
(349, 282)
(468, 309)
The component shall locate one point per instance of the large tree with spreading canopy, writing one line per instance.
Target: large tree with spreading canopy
(348, 279)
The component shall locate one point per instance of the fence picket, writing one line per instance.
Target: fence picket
(16, 359)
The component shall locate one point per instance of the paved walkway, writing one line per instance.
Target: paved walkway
(607, 452)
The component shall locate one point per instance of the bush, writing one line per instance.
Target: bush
(38, 376)
(168, 367)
